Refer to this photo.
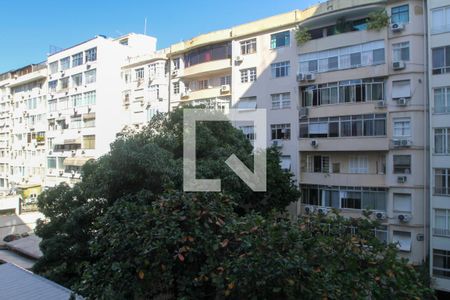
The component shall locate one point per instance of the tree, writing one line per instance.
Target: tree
(145, 165)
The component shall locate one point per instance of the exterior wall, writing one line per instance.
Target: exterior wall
(440, 236)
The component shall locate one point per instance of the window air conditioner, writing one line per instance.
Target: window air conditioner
(323, 210)
(402, 101)
(175, 73)
(309, 209)
(301, 77)
(239, 59)
(404, 218)
(225, 88)
(380, 104)
(303, 112)
(398, 65)
(310, 76)
(397, 27)
(401, 179)
(314, 143)
(381, 215)
(405, 142)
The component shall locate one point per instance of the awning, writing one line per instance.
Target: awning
(72, 141)
(76, 161)
(89, 116)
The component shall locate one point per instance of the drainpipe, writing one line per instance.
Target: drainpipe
(169, 56)
(427, 160)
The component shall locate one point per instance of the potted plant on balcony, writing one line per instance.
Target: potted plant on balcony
(302, 35)
(378, 20)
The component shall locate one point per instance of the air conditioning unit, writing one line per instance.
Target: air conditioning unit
(303, 112)
(310, 76)
(175, 73)
(309, 209)
(402, 143)
(62, 73)
(61, 173)
(398, 65)
(323, 211)
(314, 143)
(402, 179)
(397, 27)
(238, 59)
(380, 215)
(277, 143)
(380, 104)
(404, 218)
(225, 88)
(402, 101)
(88, 66)
(301, 77)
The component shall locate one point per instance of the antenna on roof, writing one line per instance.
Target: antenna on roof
(145, 26)
(52, 49)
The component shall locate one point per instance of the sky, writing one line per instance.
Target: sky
(29, 28)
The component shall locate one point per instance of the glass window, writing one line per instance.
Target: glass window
(280, 39)
(64, 83)
(52, 105)
(280, 101)
(247, 103)
(280, 69)
(442, 140)
(359, 164)
(53, 67)
(442, 182)
(248, 131)
(402, 127)
(176, 63)
(403, 240)
(248, 47)
(89, 98)
(441, 60)
(176, 88)
(400, 51)
(75, 122)
(248, 75)
(77, 80)
(401, 89)
(402, 164)
(77, 100)
(51, 162)
(400, 14)
(91, 54)
(77, 59)
(402, 203)
(280, 131)
(440, 20)
(65, 63)
(139, 73)
(90, 76)
(207, 53)
(441, 263)
(89, 141)
(441, 222)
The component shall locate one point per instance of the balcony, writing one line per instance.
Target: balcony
(204, 94)
(341, 179)
(207, 68)
(344, 144)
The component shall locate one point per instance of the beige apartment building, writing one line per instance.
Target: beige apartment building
(439, 95)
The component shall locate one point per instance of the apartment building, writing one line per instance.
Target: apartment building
(85, 107)
(145, 88)
(439, 95)
(5, 127)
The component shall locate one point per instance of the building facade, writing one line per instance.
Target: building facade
(439, 132)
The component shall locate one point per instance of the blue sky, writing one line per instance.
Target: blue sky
(28, 28)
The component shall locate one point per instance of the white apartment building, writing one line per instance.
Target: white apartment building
(85, 107)
(145, 88)
(439, 95)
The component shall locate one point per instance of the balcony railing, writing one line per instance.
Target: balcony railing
(442, 191)
(441, 232)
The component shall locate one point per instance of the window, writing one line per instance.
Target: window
(53, 67)
(63, 103)
(51, 162)
(281, 131)
(52, 86)
(280, 39)
(91, 54)
(90, 76)
(402, 164)
(247, 103)
(440, 20)
(176, 88)
(441, 222)
(89, 141)
(317, 164)
(151, 112)
(285, 162)
(400, 51)
(77, 59)
(77, 100)
(176, 63)
(208, 53)
(441, 60)
(344, 126)
(442, 141)
(401, 89)
(64, 83)
(75, 122)
(280, 101)
(52, 105)
(248, 47)
(442, 100)
(400, 14)
(225, 80)
(89, 120)
(442, 182)
(343, 58)
(65, 63)
(358, 165)
(280, 69)
(203, 84)
(248, 75)
(32, 103)
(403, 240)
(89, 98)
(249, 132)
(402, 203)
(402, 127)
(371, 89)
(441, 263)
(139, 73)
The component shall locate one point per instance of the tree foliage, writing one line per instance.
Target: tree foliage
(143, 166)
(378, 20)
